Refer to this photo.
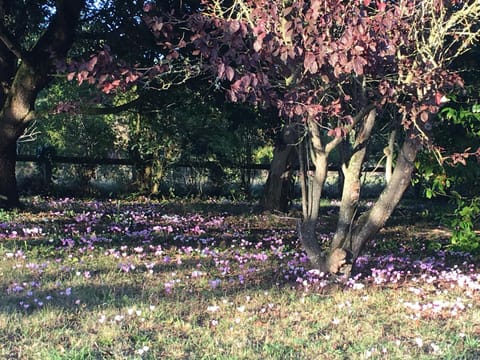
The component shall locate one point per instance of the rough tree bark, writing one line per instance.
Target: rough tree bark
(8, 183)
(370, 223)
(313, 150)
(354, 232)
(352, 184)
(27, 72)
(7, 132)
(279, 181)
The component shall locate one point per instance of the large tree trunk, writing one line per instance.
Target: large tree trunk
(278, 187)
(30, 73)
(8, 184)
(16, 112)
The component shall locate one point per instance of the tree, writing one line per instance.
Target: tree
(329, 67)
(33, 38)
(279, 189)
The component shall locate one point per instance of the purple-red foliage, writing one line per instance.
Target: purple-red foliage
(321, 59)
(104, 70)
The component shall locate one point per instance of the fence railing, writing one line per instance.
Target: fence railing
(48, 162)
(78, 160)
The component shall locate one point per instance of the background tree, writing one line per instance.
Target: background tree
(190, 125)
(75, 134)
(186, 124)
(33, 37)
(164, 86)
(279, 188)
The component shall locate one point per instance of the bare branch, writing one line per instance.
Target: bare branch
(451, 32)
(30, 133)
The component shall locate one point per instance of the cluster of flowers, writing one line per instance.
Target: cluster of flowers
(143, 238)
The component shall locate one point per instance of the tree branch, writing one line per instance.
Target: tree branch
(337, 140)
(7, 38)
(109, 109)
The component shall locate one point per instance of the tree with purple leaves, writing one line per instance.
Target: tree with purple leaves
(330, 68)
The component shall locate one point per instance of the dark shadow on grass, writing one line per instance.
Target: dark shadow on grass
(96, 297)
(126, 289)
(176, 206)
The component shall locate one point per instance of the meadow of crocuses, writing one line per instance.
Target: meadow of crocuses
(142, 279)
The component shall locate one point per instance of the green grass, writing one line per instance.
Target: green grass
(77, 302)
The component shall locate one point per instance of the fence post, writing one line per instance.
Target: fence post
(45, 154)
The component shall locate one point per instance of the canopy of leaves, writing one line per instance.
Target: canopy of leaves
(321, 59)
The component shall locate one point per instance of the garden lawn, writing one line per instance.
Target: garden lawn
(212, 280)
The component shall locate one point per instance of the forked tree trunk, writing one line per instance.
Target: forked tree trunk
(370, 223)
(362, 229)
(352, 172)
(353, 231)
(312, 182)
(312, 185)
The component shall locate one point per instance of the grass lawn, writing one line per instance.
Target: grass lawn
(190, 280)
